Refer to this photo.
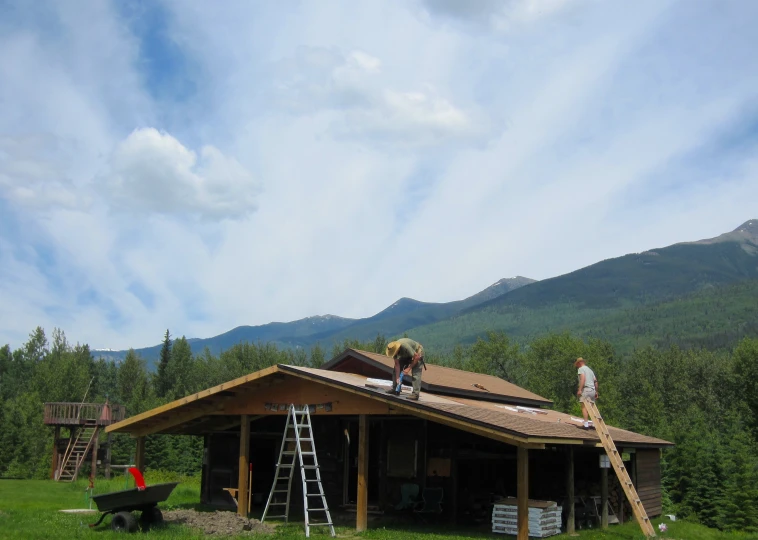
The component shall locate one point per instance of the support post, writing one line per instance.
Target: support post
(604, 498)
(361, 517)
(139, 458)
(56, 436)
(93, 463)
(571, 520)
(522, 490)
(383, 465)
(454, 480)
(242, 486)
(108, 456)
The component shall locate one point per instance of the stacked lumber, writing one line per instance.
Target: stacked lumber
(544, 518)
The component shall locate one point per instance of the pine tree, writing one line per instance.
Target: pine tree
(162, 382)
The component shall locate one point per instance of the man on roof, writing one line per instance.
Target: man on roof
(587, 390)
(409, 359)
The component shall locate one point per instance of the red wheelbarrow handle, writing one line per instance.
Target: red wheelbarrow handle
(138, 479)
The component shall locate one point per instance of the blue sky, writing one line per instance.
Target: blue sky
(198, 166)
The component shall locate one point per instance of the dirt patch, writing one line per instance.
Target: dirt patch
(217, 523)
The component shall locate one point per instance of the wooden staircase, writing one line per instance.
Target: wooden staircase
(77, 451)
(620, 468)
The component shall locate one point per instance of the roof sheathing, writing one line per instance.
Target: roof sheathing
(450, 381)
(554, 426)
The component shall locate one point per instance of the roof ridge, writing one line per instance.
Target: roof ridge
(440, 366)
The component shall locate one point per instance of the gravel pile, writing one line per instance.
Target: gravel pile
(217, 523)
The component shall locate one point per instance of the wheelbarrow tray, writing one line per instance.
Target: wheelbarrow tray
(134, 499)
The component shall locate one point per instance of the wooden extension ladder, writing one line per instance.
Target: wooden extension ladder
(618, 466)
(77, 451)
(298, 443)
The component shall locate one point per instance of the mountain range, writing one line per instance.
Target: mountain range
(633, 300)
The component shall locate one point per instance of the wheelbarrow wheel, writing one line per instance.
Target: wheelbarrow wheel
(124, 522)
(152, 516)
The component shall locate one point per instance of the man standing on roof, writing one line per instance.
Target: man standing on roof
(409, 358)
(587, 390)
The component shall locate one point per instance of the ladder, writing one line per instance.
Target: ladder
(298, 443)
(77, 451)
(618, 466)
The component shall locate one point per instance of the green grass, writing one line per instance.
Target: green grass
(29, 510)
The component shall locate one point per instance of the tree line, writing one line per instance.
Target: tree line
(704, 401)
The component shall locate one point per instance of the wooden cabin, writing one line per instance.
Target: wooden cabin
(477, 437)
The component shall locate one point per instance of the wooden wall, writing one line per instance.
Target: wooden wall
(648, 480)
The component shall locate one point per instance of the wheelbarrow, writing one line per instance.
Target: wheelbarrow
(142, 498)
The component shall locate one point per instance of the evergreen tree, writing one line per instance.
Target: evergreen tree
(163, 380)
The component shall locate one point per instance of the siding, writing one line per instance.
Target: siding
(648, 480)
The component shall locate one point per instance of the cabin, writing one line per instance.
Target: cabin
(474, 438)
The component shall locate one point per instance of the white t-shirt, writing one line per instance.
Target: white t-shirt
(589, 378)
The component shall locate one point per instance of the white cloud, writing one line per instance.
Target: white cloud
(570, 133)
(499, 14)
(152, 172)
(363, 106)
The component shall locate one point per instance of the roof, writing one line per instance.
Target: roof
(521, 421)
(449, 381)
(498, 421)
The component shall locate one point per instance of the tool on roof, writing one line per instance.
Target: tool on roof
(618, 466)
(480, 387)
(299, 432)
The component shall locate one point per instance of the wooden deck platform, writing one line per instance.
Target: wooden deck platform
(77, 414)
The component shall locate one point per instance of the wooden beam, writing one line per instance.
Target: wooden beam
(571, 520)
(182, 417)
(139, 458)
(361, 517)
(54, 465)
(109, 442)
(242, 484)
(522, 490)
(604, 498)
(125, 424)
(95, 448)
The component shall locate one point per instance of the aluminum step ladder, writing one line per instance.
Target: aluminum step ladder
(298, 444)
(620, 468)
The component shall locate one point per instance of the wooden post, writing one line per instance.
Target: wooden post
(604, 498)
(108, 456)
(454, 480)
(242, 486)
(522, 490)
(93, 463)
(383, 465)
(139, 458)
(56, 436)
(361, 517)
(571, 520)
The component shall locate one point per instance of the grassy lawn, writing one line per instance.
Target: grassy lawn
(29, 510)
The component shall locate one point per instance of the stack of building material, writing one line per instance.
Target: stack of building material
(544, 518)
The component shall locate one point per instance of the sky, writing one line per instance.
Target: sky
(196, 166)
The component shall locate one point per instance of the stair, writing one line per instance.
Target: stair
(77, 451)
(620, 468)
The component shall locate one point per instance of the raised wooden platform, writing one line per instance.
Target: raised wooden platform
(77, 414)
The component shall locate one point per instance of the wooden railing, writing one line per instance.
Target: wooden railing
(79, 413)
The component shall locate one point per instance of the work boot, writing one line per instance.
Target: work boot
(393, 392)
(413, 397)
